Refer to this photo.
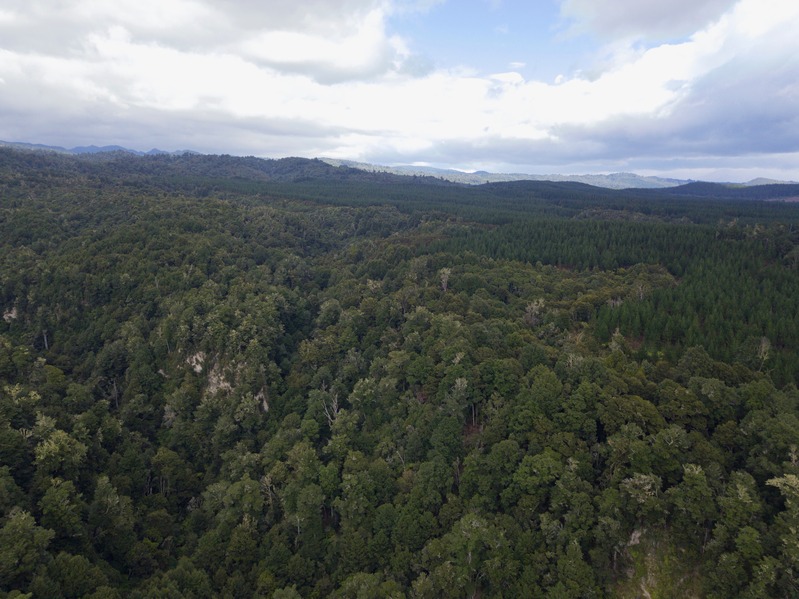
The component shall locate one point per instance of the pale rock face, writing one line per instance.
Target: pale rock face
(263, 397)
(217, 381)
(196, 362)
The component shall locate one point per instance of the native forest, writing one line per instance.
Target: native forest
(236, 377)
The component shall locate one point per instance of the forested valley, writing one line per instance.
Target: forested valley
(232, 377)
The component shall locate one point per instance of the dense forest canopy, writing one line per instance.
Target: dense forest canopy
(233, 377)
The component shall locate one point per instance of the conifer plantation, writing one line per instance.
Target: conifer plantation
(234, 377)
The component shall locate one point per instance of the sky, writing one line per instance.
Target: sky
(693, 89)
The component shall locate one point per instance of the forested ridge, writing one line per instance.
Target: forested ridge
(229, 377)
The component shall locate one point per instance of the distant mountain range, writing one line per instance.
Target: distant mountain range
(90, 149)
(610, 181)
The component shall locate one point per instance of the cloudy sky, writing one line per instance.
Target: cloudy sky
(705, 89)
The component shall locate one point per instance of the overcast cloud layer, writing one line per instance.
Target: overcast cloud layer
(690, 88)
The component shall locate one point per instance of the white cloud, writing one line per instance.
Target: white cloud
(326, 78)
(364, 51)
(643, 18)
(321, 36)
(142, 15)
(7, 17)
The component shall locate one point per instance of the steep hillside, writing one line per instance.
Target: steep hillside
(225, 377)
